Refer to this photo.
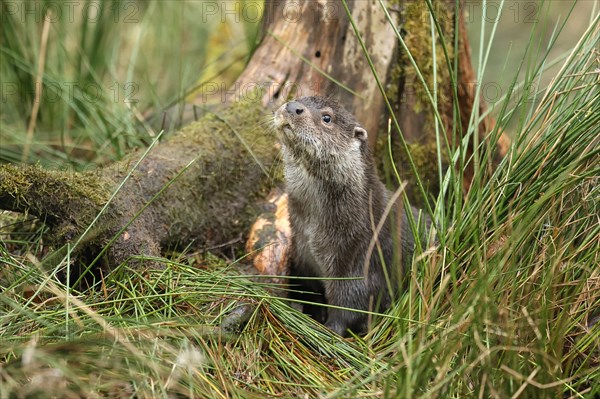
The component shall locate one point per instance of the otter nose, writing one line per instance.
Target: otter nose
(294, 107)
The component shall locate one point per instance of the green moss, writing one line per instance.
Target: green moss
(68, 202)
(405, 87)
(424, 158)
(419, 41)
(14, 182)
(20, 182)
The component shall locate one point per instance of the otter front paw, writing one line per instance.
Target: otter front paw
(345, 321)
(337, 327)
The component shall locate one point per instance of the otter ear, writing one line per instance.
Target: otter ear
(360, 133)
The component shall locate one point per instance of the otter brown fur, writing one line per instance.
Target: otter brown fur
(335, 200)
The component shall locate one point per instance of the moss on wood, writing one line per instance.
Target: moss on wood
(199, 187)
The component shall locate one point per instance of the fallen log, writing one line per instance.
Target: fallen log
(199, 186)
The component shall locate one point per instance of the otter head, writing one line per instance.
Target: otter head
(321, 135)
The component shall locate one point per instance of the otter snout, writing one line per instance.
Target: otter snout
(287, 114)
(294, 107)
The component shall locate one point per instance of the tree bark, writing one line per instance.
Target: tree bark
(200, 186)
(411, 104)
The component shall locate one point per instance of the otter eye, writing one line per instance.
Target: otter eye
(326, 118)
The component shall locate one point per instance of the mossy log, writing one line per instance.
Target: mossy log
(197, 187)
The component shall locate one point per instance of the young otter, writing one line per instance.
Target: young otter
(335, 201)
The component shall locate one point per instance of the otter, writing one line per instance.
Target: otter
(335, 202)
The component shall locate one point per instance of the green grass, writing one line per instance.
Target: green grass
(502, 308)
(105, 81)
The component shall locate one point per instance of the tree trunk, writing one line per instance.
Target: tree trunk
(310, 48)
(411, 104)
(201, 185)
